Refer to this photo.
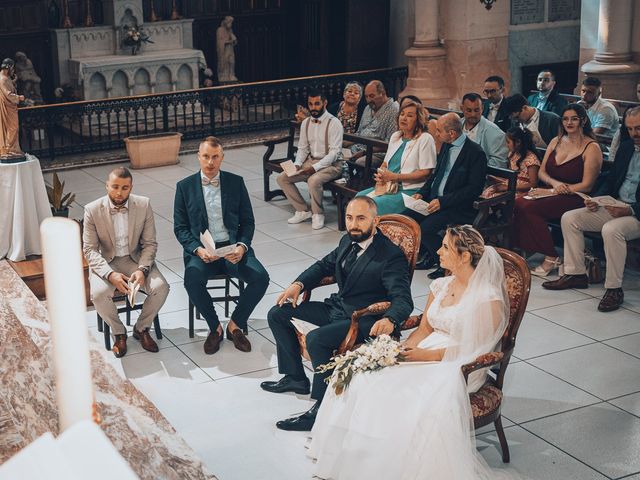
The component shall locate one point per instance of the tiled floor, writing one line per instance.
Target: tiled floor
(572, 402)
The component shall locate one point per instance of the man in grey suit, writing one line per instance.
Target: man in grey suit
(485, 133)
(542, 125)
(119, 243)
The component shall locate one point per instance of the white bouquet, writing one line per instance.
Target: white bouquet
(373, 355)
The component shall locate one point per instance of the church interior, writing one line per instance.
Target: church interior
(97, 94)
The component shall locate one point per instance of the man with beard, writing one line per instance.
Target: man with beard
(547, 99)
(319, 160)
(368, 268)
(119, 243)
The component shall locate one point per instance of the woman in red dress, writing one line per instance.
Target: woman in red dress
(571, 164)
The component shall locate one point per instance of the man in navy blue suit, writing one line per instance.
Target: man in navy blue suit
(218, 201)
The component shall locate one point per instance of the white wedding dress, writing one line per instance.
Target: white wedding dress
(411, 421)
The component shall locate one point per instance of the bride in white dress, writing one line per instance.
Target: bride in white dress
(414, 421)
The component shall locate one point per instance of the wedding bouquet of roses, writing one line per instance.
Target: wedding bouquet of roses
(134, 37)
(372, 355)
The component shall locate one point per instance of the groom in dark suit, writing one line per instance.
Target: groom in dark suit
(457, 182)
(368, 268)
(218, 201)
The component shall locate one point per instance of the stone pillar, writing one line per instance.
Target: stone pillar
(612, 62)
(427, 58)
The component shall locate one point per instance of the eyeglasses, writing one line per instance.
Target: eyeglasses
(490, 91)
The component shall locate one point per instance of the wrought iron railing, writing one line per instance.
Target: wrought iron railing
(53, 130)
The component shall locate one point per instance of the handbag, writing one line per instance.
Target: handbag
(594, 268)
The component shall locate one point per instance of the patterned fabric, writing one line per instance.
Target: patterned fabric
(529, 161)
(485, 401)
(348, 120)
(401, 235)
(486, 360)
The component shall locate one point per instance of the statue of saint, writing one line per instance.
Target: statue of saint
(28, 79)
(9, 100)
(225, 43)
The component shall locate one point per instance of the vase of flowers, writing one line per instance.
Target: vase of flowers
(134, 37)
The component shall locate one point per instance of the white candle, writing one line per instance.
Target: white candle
(64, 285)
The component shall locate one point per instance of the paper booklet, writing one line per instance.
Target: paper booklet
(289, 168)
(303, 327)
(416, 205)
(347, 153)
(547, 193)
(134, 287)
(603, 201)
(210, 245)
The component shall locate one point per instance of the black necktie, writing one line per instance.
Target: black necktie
(350, 259)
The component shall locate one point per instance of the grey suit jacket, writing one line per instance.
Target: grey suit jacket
(98, 236)
(493, 142)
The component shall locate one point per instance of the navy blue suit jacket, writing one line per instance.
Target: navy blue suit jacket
(190, 214)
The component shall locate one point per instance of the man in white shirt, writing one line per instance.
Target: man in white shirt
(493, 106)
(485, 133)
(543, 125)
(119, 243)
(602, 114)
(319, 160)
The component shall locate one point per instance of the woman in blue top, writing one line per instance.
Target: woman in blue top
(410, 159)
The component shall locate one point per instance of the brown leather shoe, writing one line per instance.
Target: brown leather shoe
(240, 341)
(567, 281)
(212, 343)
(146, 341)
(119, 347)
(612, 300)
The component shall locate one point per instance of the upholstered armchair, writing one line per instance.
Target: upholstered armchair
(404, 232)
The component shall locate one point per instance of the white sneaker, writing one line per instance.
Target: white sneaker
(300, 217)
(317, 221)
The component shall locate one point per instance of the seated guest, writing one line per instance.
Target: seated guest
(349, 110)
(318, 160)
(119, 243)
(542, 125)
(379, 121)
(493, 106)
(602, 114)
(618, 224)
(547, 99)
(571, 164)
(218, 201)
(368, 268)
(621, 135)
(457, 182)
(431, 120)
(522, 159)
(486, 134)
(410, 159)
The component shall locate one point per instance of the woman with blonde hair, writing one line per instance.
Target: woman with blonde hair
(410, 159)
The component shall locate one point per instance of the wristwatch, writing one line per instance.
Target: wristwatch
(144, 270)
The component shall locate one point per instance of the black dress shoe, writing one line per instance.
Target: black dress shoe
(437, 273)
(287, 384)
(302, 423)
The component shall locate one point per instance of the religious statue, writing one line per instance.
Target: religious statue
(225, 43)
(28, 79)
(9, 100)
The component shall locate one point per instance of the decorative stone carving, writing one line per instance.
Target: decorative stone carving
(225, 44)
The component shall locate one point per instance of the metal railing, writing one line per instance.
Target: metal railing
(70, 128)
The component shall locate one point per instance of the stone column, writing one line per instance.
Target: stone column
(427, 58)
(612, 62)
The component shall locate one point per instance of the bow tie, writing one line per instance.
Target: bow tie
(494, 106)
(120, 209)
(315, 120)
(636, 148)
(214, 183)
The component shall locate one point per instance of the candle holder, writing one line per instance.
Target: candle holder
(152, 16)
(88, 21)
(66, 22)
(488, 3)
(174, 11)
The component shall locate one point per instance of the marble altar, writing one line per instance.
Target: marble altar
(134, 425)
(99, 65)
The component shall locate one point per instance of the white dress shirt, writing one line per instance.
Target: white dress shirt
(493, 111)
(121, 229)
(314, 144)
(532, 126)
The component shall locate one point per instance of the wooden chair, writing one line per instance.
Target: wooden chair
(226, 298)
(495, 214)
(127, 308)
(404, 232)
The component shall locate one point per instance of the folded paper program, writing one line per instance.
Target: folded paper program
(210, 245)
